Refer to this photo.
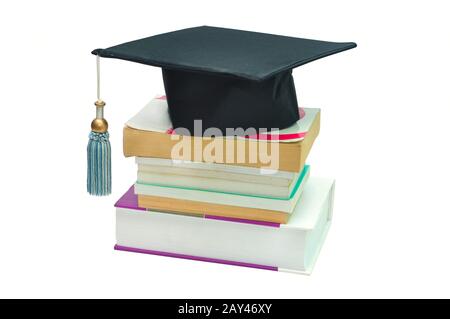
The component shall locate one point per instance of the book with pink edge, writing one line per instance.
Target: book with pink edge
(155, 117)
(292, 247)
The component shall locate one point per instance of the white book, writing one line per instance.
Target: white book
(234, 199)
(214, 184)
(202, 173)
(216, 177)
(216, 170)
(290, 247)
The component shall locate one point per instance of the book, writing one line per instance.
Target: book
(192, 201)
(149, 134)
(293, 247)
(155, 117)
(216, 170)
(195, 208)
(216, 177)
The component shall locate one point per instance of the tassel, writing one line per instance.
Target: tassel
(99, 150)
(99, 164)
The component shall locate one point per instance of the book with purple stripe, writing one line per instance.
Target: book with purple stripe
(290, 247)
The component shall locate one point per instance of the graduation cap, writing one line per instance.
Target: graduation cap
(226, 78)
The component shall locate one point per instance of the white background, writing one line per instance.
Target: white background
(385, 137)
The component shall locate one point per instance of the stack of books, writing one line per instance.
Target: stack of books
(244, 200)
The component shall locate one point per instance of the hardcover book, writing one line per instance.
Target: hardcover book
(291, 247)
(150, 134)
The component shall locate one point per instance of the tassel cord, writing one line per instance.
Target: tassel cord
(99, 150)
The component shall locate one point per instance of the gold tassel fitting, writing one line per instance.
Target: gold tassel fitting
(99, 124)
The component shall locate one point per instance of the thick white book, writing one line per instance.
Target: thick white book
(228, 198)
(292, 247)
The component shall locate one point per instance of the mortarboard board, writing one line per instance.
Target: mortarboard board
(227, 78)
(224, 77)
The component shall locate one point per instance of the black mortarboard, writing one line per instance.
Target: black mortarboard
(227, 78)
